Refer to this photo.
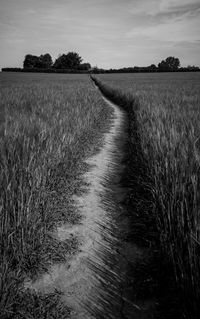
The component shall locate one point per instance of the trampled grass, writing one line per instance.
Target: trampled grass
(48, 125)
(164, 115)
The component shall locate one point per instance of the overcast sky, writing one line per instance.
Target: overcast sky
(106, 33)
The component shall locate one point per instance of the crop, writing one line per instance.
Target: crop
(48, 125)
(164, 115)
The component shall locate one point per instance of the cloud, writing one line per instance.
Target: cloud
(171, 21)
(178, 5)
(173, 30)
(164, 8)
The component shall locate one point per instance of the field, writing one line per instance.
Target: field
(48, 125)
(164, 160)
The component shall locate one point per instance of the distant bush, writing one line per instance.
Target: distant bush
(11, 70)
(84, 66)
(40, 70)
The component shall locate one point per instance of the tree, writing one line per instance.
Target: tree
(46, 61)
(60, 62)
(170, 64)
(71, 60)
(152, 68)
(84, 66)
(192, 68)
(33, 61)
(30, 61)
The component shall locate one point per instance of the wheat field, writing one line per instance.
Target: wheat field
(164, 114)
(48, 125)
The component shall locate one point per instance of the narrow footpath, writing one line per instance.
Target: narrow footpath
(94, 280)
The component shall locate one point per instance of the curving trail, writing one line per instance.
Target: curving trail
(92, 280)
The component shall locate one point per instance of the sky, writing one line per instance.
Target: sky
(105, 33)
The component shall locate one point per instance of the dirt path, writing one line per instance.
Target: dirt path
(97, 281)
(80, 282)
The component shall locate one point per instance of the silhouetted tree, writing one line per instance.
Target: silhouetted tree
(46, 61)
(59, 62)
(152, 68)
(71, 60)
(192, 68)
(33, 61)
(84, 66)
(170, 64)
(30, 61)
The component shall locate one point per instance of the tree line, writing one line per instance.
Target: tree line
(170, 64)
(71, 61)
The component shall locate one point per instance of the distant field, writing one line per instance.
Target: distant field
(164, 136)
(147, 82)
(48, 125)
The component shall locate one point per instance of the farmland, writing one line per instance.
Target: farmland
(144, 186)
(163, 159)
(48, 126)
